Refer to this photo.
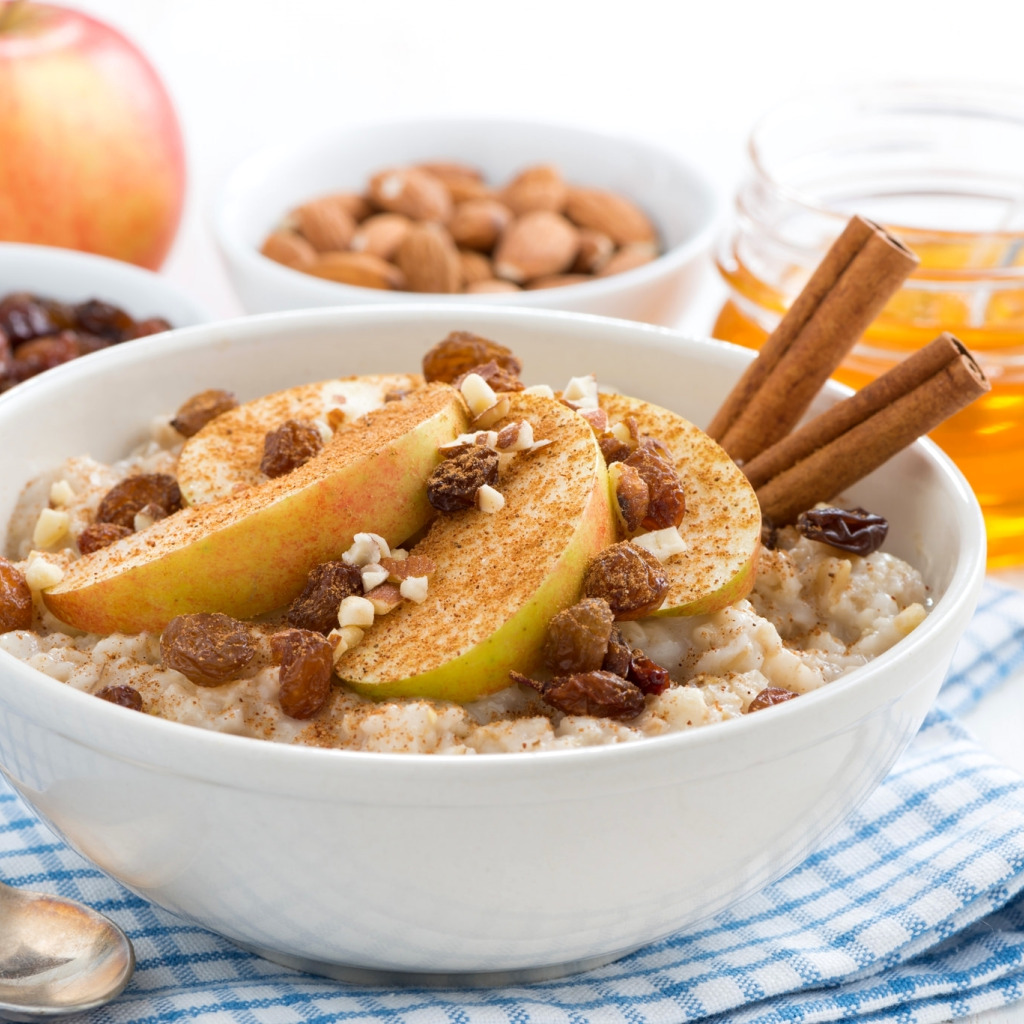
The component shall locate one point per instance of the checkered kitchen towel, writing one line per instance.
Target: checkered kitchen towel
(911, 913)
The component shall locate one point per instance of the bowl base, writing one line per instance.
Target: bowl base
(380, 978)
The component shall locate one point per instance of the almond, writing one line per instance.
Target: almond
(413, 192)
(635, 254)
(289, 248)
(429, 260)
(536, 244)
(475, 267)
(536, 188)
(381, 234)
(478, 223)
(326, 223)
(557, 281)
(361, 269)
(450, 171)
(619, 218)
(494, 285)
(596, 249)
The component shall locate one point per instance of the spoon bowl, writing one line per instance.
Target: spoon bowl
(58, 957)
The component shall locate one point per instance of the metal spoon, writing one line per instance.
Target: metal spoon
(57, 957)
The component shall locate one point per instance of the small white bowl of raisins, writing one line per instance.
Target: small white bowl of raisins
(58, 304)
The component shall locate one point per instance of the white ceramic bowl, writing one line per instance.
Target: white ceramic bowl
(72, 276)
(263, 188)
(476, 868)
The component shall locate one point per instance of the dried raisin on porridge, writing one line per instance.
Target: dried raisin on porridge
(577, 637)
(455, 481)
(632, 496)
(207, 648)
(598, 694)
(292, 445)
(629, 578)
(613, 449)
(307, 664)
(461, 351)
(666, 498)
(200, 409)
(647, 675)
(854, 530)
(101, 535)
(15, 598)
(768, 696)
(123, 695)
(125, 500)
(498, 377)
(316, 608)
(619, 655)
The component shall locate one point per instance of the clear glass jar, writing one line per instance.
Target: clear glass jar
(943, 168)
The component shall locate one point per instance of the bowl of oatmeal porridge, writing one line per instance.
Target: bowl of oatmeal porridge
(478, 840)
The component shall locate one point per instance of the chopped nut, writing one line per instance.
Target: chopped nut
(489, 417)
(489, 500)
(581, 392)
(629, 578)
(409, 565)
(455, 481)
(355, 611)
(597, 418)
(663, 544)
(147, 516)
(479, 395)
(344, 639)
(543, 390)
(61, 494)
(366, 549)
(385, 597)
(414, 588)
(40, 574)
(51, 527)
(373, 576)
(497, 377)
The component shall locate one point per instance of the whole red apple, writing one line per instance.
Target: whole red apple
(91, 154)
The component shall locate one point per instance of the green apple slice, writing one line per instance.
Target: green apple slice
(250, 552)
(225, 455)
(500, 576)
(721, 527)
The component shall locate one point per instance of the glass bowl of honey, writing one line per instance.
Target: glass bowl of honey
(942, 167)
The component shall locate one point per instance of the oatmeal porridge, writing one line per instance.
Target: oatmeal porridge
(633, 646)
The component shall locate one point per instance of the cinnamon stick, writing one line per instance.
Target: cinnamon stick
(860, 273)
(854, 437)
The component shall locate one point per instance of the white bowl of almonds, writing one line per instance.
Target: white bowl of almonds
(356, 745)
(479, 211)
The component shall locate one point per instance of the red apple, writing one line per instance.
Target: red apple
(91, 154)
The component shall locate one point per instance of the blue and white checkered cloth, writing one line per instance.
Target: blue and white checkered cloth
(911, 913)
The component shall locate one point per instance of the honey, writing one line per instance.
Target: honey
(940, 169)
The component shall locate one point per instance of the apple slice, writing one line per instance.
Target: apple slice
(721, 527)
(251, 551)
(500, 576)
(226, 453)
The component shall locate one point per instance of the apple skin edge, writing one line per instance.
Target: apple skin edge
(251, 552)
(722, 523)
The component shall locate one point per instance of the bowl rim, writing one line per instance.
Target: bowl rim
(223, 211)
(235, 757)
(33, 255)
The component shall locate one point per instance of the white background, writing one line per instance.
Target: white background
(689, 76)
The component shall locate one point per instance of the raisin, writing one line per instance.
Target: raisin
(613, 449)
(15, 598)
(198, 410)
(629, 578)
(461, 351)
(292, 445)
(316, 608)
(769, 534)
(597, 694)
(122, 695)
(498, 377)
(125, 500)
(100, 535)
(455, 481)
(24, 317)
(144, 328)
(577, 637)
(103, 319)
(768, 696)
(667, 501)
(647, 675)
(853, 530)
(208, 648)
(632, 497)
(40, 354)
(619, 655)
(307, 665)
